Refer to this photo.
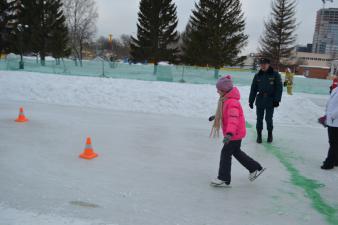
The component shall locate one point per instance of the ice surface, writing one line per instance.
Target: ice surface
(155, 157)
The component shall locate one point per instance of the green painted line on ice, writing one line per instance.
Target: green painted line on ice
(309, 186)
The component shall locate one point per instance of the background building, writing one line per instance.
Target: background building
(312, 59)
(312, 65)
(325, 39)
(306, 48)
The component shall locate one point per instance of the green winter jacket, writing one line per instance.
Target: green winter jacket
(266, 88)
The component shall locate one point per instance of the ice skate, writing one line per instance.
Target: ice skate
(219, 183)
(253, 176)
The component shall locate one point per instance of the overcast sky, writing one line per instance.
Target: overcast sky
(120, 17)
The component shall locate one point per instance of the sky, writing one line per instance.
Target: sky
(120, 17)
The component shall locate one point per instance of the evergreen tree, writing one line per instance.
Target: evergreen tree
(7, 19)
(47, 30)
(215, 34)
(28, 20)
(156, 32)
(194, 55)
(58, 43)
(279, 36)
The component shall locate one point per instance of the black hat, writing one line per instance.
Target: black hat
(264, 61)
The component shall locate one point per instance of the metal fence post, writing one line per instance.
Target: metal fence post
(182, 79)
(103, 75)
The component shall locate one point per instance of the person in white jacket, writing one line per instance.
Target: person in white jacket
(332, 123)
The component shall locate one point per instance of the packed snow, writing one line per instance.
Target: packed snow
(155, 157)
(189, 100)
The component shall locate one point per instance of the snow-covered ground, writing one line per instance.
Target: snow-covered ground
(189, 100)
(155, 157)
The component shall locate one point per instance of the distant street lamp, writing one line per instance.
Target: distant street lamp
(21, 30)
(110, 39)
(111, 57)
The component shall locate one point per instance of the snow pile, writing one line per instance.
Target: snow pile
(125, 95)
(188, 100)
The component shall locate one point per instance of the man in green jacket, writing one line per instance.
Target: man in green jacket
(266, 90)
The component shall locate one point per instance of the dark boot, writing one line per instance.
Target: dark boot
(270, 137)
(327, 167)
(259, 137)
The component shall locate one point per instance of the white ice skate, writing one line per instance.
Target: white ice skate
(253, 176)
(219, 183)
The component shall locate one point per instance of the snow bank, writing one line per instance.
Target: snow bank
(188, 100)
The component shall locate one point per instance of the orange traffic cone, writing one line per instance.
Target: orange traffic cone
(21, 118)
(88, 153)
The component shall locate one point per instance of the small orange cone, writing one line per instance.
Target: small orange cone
(88, 152)
(21, 118)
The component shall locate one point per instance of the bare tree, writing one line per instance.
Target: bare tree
(125, 39)
(81, 20)
(124, 50)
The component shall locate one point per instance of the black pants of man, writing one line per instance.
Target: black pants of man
(268, 118)
(332, 155)
(234, 149)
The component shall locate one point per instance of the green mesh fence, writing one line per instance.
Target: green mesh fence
(169, 73)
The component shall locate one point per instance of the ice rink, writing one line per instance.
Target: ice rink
(155, 157)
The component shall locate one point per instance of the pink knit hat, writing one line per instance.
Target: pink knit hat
(225, 83)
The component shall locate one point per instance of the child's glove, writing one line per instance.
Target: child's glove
(227, 139)
(275, 104)
(322, 121)
(251, 105)
(211, 118)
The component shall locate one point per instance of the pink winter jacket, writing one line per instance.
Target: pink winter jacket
(233, 116)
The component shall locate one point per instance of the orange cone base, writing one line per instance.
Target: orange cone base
(21, 120)
(88, 157)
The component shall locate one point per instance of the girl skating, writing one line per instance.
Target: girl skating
(230, 117)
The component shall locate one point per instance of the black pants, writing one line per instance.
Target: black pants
(234, 148)
(268, 118)
(332, 155)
